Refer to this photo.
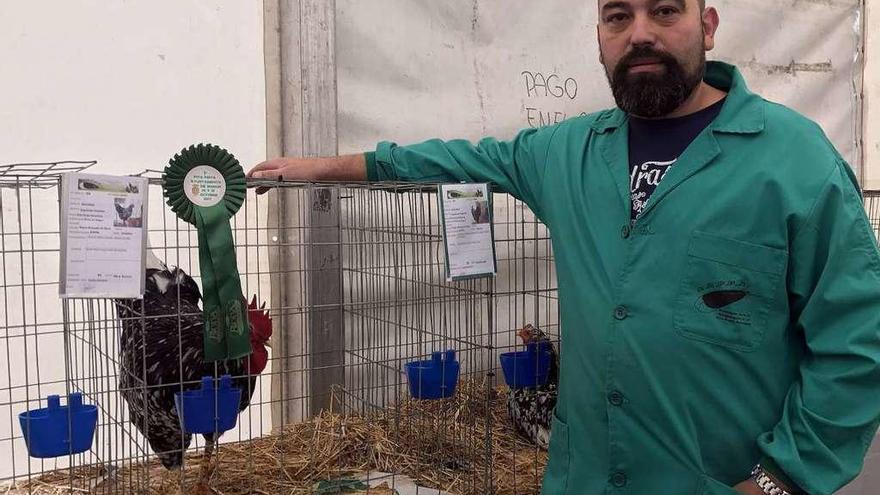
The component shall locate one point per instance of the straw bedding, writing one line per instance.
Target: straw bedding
(462, 445)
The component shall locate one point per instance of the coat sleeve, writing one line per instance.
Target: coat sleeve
(831, 413)
(516, 166)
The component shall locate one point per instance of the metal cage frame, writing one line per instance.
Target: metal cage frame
(367, 258)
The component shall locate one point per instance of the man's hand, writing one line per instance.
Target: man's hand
(339, 168)
(286, 168)
(749, 487)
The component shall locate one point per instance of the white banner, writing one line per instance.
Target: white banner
(415, 69)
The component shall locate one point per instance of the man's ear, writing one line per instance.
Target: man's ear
(710, 22)
(599, 44)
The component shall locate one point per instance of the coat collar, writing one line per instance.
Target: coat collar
(742, 112)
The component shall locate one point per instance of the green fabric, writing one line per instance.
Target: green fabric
(226, 329)
(759, 203)
(370, 157)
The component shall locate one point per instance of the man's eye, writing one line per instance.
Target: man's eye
(616, 18)
(664, 12)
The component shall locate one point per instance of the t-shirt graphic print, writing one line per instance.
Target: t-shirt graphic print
(654, 147)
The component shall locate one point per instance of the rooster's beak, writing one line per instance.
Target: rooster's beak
(267, 344)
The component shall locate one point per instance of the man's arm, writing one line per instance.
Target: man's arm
(351, 168)
(750, 487)
(515, 166)
(831, 413)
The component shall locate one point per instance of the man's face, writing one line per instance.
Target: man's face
(654, 51)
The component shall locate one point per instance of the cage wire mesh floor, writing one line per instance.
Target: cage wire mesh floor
(354, 283)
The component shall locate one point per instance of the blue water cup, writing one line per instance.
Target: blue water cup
(208, 409)
(435, 378)
(59, 430)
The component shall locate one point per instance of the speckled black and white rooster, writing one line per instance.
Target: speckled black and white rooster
(531, 409)
(162, 353)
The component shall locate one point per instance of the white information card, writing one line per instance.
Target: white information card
(103, 235)
(467, 230)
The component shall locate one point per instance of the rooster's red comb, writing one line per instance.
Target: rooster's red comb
(259, 319)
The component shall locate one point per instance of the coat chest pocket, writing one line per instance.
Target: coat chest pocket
(727, 290)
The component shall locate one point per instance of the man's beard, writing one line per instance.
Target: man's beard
(653, 95)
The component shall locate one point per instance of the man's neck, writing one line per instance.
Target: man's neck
(702, 97)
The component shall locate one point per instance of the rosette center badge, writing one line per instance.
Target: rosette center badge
(204, 185)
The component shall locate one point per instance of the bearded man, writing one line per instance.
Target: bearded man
(719, 282)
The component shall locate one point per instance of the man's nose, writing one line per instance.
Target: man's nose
(643, 31)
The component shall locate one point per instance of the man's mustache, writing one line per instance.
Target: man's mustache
(641, 53)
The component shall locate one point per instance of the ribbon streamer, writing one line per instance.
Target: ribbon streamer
(205, 186)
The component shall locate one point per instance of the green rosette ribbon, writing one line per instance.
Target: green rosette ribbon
(205, 186)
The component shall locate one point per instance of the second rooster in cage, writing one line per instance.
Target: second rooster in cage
(531, 409)
(162, 353)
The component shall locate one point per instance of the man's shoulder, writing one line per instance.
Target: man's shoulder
(571, 126)
(801, 147)
(785, 123)
(776, 112)
(801, 140)
(584, 121)
(599, 117)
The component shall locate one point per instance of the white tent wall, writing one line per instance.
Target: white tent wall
(412, 70)
(872, 95)
(128, 84)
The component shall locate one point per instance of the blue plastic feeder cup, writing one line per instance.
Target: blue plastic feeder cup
(528, 368)
(59, 430)
(208, 409)
(434, 378)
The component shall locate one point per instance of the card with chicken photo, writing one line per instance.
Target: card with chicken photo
(129, 212)
(103, 235)
(468, 235)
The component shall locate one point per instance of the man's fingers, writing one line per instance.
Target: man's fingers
(267, 174)
(262, 167)
(257, 172)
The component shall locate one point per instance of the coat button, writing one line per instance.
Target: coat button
(625, 231)
(620, 312)
(615, 398)
(619, 480)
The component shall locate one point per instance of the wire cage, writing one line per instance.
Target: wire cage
(871, 199)
(354, 282)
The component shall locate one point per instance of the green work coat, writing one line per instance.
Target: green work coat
(737, 320)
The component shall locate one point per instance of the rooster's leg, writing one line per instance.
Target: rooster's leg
(209, 445)
(207, 468)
